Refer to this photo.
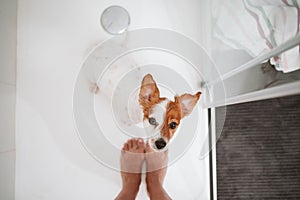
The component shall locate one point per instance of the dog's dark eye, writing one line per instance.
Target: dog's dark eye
(172, 125)
(152, 121)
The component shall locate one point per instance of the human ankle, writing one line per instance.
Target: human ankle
(132, 189)
(154, 187)
(127, 194)
(154, 179)
(131, 180)
(157, 193)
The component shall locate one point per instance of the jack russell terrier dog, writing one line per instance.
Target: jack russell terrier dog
(162, 114)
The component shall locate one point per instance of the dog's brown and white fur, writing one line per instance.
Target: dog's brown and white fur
(161, 114)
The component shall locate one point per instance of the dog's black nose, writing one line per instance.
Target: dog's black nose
(160, 143)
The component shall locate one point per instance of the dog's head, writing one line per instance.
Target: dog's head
(162, 114)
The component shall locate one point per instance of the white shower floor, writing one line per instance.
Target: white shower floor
(54, 38)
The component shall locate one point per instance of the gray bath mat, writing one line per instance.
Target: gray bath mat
(258, 153)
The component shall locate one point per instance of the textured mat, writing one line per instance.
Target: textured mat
(258, 153)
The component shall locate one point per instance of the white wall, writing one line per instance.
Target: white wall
(8, 38)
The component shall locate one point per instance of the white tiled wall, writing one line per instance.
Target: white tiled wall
(7, 117)
(8, 29)
(8, 41)
(7, 175)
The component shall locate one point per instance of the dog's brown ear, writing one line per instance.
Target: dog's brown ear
(187, 102)
(149, 93)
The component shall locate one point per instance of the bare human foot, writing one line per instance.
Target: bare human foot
(132, 157)
(156, 171)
